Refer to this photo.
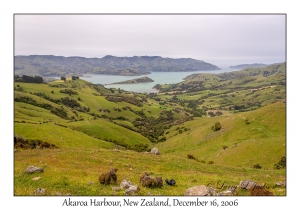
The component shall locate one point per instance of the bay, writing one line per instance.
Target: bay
(158, 77)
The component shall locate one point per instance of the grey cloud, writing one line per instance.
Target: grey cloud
(206, 37)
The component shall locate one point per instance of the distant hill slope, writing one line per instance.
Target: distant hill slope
(242, 66)
(49, 65)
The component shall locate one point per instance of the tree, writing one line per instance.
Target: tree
(63, 78)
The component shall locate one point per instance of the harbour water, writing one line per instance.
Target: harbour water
(158, 77)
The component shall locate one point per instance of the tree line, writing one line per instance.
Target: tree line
(28, 79)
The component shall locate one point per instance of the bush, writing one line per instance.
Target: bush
(216, 127)
(281, 164)
(210, 162)
(260, 191)
(257, 166)
(70, 102)
(163, 139)
(189, 156)
(68, 91)
(247, 121)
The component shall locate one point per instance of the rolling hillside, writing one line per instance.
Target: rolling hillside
(94, 129)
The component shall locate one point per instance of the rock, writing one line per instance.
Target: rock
(230, 192)
(155, 151)
(33, 169)
(58, 194)
(125, 184)
(40, 191)
(132, 190)
(36, 178)
(116, 188)
(248, 184)
(281, 184)
(200, 190)
(91, 183)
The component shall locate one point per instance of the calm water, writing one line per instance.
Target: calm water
(158, 77)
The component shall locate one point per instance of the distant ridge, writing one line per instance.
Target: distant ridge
(50, 65)
(243, 66)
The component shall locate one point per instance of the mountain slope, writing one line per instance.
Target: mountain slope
(49, 65)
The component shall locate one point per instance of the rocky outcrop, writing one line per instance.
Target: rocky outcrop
(248, 184)
(33, 169)
(40, 191)
(132, 189)
(125, 184)
(281, 184)
(155, 151)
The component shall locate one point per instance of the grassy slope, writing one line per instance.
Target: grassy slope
(235, 88)
(76, 171)
(74, 167)
(260, 142)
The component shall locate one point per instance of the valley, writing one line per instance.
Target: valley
(95, 128)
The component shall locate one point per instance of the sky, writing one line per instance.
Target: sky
(222, 40)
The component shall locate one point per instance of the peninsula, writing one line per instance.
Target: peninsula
(136, 81)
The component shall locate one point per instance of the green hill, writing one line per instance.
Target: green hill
(245, 139)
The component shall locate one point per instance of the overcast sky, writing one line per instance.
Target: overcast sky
(222, 40)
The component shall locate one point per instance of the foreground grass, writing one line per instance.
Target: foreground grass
(75, 171)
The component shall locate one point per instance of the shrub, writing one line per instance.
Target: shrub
(68, 91)
(189, 156)
(70, 102)
(281, 164)
(260, 191)
(257, 166)
(247, 121)
(217, 126)
(210, 162)
(163, 139)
